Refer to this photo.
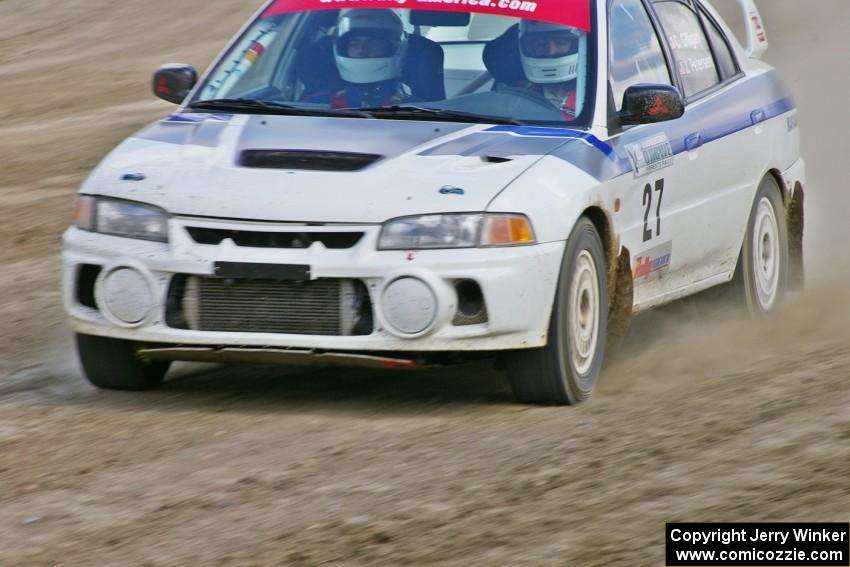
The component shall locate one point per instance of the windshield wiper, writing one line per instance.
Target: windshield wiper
(403, 112)
(412, 112)
(269, 107)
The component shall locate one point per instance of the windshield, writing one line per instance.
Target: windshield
(451, 61)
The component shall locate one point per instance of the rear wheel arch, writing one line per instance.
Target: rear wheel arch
(786, 198)
(793, 199)
(762, 273)
(777, 176)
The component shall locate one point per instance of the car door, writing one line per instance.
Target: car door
(724, 171)
(736, 148)
(656, 219)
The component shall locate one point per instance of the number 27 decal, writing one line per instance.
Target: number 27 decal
(647, 202)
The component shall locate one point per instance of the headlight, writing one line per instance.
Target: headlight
(468, 230)
(122, 218)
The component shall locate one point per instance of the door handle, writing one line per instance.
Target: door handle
(693, 141)
(758, 116)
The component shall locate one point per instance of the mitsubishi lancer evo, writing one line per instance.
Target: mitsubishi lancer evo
(398, 183)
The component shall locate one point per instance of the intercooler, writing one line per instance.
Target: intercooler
(328, 307)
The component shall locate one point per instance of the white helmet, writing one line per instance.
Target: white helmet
(385, 29)
(540, 62)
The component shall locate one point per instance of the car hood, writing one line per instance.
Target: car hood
(190, 164)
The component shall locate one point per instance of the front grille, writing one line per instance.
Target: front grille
(307, 160)
(255, 239)
(327, 307)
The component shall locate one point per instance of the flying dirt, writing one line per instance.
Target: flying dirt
(701, 416)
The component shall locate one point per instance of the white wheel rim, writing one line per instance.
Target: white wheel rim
(766, 257)
(584, 313)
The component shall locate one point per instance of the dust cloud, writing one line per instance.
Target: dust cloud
(809, 47)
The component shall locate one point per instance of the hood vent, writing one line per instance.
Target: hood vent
(313, 160)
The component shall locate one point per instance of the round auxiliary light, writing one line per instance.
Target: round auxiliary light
(127, 295)
(409, 305)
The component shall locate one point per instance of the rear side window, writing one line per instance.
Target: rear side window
(635, 55)
(723, 57)
(690, 47)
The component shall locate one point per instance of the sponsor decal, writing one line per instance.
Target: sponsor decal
(756, 20)
(162, 86)
(255, 51)
(659, 108)
(792, 123)
(692, 65)
(653, 263)
(651, 154)
(575, 13)
(686, 40)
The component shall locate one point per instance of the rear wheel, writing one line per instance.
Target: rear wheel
(113, 364)
(761, 278)
(566, 370)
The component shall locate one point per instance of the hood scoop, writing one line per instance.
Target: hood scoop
(312, 160)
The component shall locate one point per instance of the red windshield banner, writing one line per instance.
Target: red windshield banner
(574, 13)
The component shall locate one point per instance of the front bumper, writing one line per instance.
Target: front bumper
(518, 286)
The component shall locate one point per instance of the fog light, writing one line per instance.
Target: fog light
(409, 305)
(127, 295)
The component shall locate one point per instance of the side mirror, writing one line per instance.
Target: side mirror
(648, 104)
(174, 82)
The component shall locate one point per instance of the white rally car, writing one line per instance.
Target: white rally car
(394, 183)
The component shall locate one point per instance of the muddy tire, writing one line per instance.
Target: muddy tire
(761, 277)
(566, 370)
(112, 364)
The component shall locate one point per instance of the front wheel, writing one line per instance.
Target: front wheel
(566, 370)
(761, 278)
(113, 364)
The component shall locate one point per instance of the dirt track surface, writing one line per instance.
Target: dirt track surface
(698, 419)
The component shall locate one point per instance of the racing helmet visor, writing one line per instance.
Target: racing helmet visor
(549, 44)
(362, 43)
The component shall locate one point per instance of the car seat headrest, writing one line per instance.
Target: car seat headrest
(423, 68)
(316, 67)
(502, 59)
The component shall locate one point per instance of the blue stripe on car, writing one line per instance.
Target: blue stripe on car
(555, 133)
(722, 115)
(194, 118)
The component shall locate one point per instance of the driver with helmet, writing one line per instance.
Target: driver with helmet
(369, 50)
(550, 60)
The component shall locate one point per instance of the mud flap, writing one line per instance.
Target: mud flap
(621, 298)
(796, 222)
